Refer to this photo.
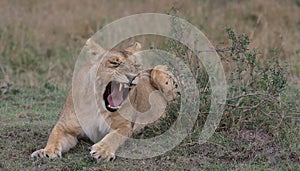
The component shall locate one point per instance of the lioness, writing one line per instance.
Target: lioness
(106, 99)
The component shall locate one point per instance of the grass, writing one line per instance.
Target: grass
(28, 117)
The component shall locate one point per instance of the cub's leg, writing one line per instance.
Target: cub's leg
(106, 148)
(64, 134)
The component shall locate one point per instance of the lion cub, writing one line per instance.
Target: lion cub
(108, 102)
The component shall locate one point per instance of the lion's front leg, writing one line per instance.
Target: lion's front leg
(106, 148)
(60, 140)
(63, 135)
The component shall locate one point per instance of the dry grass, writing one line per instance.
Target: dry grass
(44, 37)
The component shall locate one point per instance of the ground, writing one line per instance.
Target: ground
(30, 114)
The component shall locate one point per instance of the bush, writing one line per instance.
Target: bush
(256, 88)
(257, 97)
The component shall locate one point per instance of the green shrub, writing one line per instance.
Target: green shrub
(258, 98)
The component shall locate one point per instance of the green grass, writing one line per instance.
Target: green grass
(28, 116)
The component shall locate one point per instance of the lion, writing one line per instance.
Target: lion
(106, 100)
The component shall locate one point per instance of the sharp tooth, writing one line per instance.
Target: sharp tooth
(121, 86)
(112, 107)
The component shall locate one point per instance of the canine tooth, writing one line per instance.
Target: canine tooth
(121, 86)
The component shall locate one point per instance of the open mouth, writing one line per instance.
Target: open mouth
(115, 94)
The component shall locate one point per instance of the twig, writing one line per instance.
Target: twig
(255, 106)
(245, 95)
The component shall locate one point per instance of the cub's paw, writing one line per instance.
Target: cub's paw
(102, 151)
(46, 153)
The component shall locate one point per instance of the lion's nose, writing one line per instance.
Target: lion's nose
(131, 78)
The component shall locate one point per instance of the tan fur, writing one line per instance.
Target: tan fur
(85, 113)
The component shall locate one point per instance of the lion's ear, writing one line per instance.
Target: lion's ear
(153, 78)
(134, 48)
(155, 75)
(94, 49)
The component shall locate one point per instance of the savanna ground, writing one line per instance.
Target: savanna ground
(39, 44)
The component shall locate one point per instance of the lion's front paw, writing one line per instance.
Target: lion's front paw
(49, 153)
(102, 151)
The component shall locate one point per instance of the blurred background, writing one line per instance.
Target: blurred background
(40, 40)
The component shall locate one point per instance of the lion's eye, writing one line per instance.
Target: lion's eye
(167, 83)
(115, 63)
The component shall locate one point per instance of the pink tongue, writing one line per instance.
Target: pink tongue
(116, 97)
